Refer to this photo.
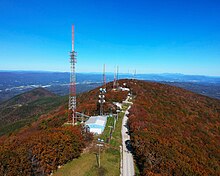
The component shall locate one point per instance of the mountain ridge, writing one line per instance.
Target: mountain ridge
(23, 109)
(173, 131)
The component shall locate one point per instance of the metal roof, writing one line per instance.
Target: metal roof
(99, 120)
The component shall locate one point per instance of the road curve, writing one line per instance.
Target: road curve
(127, 157)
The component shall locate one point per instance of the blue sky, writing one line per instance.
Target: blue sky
(160, 36)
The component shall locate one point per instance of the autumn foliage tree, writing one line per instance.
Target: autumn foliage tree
(174, 131)
(41, 152)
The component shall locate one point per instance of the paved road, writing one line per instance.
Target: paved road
(127, 157)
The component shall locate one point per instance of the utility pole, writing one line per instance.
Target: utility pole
(117, 113)
(114, 122)
(110, 132)
(99, 145)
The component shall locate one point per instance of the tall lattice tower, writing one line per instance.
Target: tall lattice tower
(72, 93)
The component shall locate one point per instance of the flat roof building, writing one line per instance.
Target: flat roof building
(96, 124)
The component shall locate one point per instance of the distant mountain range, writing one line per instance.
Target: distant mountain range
(168, 77)
(15, 82)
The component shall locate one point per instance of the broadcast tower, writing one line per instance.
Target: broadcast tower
(72, 93)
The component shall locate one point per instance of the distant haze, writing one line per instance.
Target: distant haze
(13, 83)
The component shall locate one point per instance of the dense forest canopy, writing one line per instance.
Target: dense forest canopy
(174, 131)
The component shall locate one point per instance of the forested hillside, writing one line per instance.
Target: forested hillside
(40, 147)
(25, 108)
(174, 131)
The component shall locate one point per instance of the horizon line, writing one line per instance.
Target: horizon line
(121, 73)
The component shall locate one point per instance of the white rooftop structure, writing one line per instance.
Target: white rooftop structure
(124, 89)
(96, 124)
(119, 105)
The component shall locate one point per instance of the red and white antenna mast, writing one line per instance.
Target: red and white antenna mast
(117, 84)
(72, 93)
(114, 82)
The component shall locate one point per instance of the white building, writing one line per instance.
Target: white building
(96, 124)
(124, 89)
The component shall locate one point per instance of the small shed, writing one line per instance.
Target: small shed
(96, 124)
(124, 89)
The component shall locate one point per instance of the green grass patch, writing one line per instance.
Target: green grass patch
(112, 151)
(136, 170)
(106, 132)
(87, 164)
(79, 166)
